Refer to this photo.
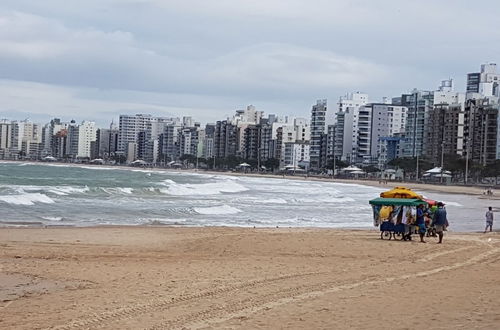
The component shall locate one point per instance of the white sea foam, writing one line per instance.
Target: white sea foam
(272, 201)
(215, 210)
(125, 190)
(56, 190)
(212, 188)
(117, 190)
(167, 182)
(67, 190)
(256, 200)
(26, 199)
(333, 200)
(52, 218)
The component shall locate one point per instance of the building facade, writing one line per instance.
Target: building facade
(318, 129)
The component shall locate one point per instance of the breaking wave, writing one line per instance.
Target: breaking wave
(213, 188)
(26, 199)
(216, 210)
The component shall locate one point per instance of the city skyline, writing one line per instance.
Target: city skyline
(106, 122)
(191, 58)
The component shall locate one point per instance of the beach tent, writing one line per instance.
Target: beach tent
(437, 170)
(351, 168)
(244, 165)
(358, 172)
(138, 162)
(400, 192)
(49, 159)
(97, 161)
(443, 175)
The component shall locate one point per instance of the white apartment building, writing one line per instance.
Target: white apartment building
(249, 116)
(346, 130)
(296, 153)
(129, 128)
(376, 120)
(87, 135)
(302, 129)
(242, 119)
(485, 83)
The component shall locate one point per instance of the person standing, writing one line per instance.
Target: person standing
(421, 222)
(489, 220)
(440, 221)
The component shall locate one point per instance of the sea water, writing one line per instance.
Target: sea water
(57, 194)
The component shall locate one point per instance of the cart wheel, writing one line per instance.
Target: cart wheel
(386, 235)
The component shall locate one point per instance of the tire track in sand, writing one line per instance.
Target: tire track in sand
(221, 313)
(96, 320)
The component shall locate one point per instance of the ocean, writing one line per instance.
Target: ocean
(58, 194)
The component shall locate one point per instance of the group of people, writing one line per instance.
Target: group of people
(439, 220)
(488, 192)
(436, 218)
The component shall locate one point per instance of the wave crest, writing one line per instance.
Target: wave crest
(26, 199)
(217, 210)
(213, 188)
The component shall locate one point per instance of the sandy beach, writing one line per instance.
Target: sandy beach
(231, 278)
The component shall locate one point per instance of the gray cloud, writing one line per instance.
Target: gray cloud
(205, 58)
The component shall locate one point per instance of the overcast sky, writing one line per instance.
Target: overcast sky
(96, 59)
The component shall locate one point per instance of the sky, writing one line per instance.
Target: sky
(96, 59)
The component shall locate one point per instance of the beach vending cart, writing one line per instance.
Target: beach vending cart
(395, 212)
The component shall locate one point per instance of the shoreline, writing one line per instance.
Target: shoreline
(243, 278)
(452, 189)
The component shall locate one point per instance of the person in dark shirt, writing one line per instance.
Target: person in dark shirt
(421, 222)
(440, 221)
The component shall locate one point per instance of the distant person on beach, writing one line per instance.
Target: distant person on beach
(489, 220)
(440, 221)
(421, 222)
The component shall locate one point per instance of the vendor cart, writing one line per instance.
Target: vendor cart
(391, 227)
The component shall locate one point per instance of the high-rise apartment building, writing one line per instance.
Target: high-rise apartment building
(376, 120)
(129, 128)
(346, 130)
(418, 103)
(225, 139)
(318, 130)
(87, 134)
(485, 83)
(482, 130)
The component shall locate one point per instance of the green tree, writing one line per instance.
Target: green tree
(409, 164)
(338, 164)
(272, 164)
(371, 169)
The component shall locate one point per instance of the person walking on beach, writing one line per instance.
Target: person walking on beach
(440, 221)
(489, 220)
(421, 222)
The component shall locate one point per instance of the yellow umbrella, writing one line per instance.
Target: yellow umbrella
(400, 192)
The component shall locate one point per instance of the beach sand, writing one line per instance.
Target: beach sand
(245, 278)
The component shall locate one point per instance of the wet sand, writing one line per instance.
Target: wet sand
(245, 278)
